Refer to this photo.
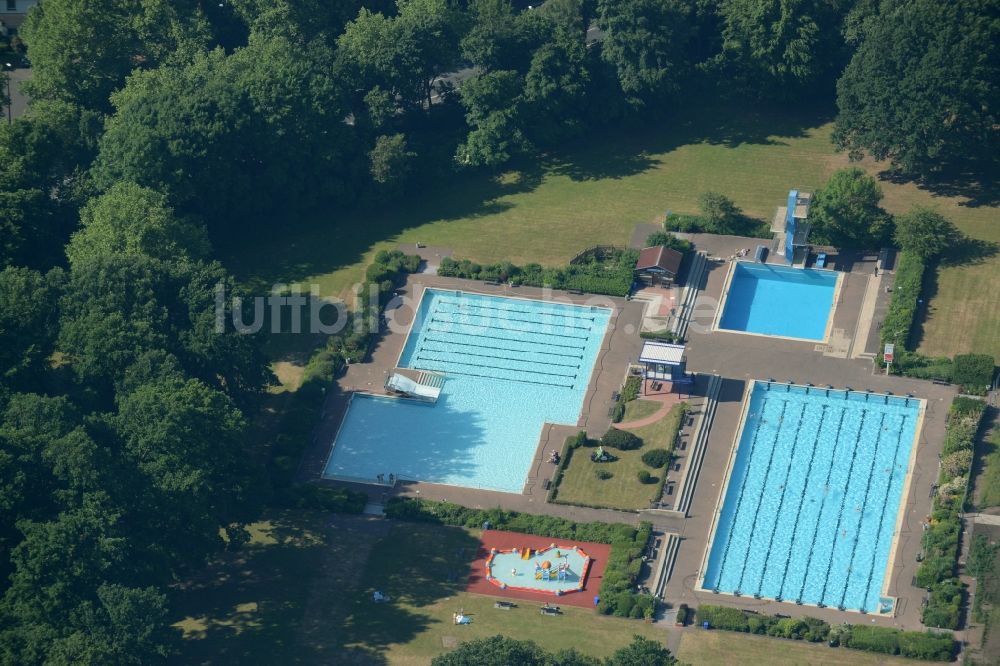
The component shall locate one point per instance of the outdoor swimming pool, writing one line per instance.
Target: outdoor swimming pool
(812, 498)
(511, 364)
(779, 300)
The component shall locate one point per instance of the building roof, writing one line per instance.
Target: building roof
(654, 351)
(665, 258)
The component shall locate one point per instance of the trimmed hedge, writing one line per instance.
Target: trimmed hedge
(611, 276)
(622, 440)
(903, 307)
(915, 644)
(624, 563)
(941, 539)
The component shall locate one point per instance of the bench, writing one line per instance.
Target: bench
(578, 292)
(491, 281)
(547, 484)
(940, 382)
(505, 605)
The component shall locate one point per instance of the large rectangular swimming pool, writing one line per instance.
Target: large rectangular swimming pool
(813, 495)
(511, 364)
(779, 300)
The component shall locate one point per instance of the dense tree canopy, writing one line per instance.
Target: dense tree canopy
(926, 232)
(647, 43)
(846, 212)
(773, 48)
(923, 87)
(155, 125)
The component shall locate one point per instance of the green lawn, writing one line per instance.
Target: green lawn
(986, 491)
(710, 648)
(596, 190)
(580, 485)
(639, 409)
(301, 593)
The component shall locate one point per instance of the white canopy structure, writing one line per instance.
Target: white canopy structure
(425, 386)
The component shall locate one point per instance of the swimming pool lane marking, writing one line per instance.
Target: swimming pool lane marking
(503, 358)
(822, 503)
(526, 321)
(544, 313)
(843, 500)
(508, 328)
(743, 486)
(493, 367)
(503, 379)
(781, 499)
(861, 513)
(885, 501)
(526, 351)
(507, 338)
(767, 473)
(798, 512)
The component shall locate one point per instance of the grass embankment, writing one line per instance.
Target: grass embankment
(580, 485)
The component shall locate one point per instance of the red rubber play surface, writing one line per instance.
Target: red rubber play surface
(507, 540)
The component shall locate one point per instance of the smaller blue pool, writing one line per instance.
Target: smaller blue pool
(779, 300)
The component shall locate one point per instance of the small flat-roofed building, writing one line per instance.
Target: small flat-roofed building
(658, 265)
(664, 362)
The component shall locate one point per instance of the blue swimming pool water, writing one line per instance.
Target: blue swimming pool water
(511, 365)
(779, 300)
(811, 504)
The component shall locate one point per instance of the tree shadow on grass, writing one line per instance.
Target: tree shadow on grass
(333, 238)
(967, 251)
(417, 566)
(978, 185)
(626, 150)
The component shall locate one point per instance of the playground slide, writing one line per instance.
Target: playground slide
(538, 575)
(526, 554)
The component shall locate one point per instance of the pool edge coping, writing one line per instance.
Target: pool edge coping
(904, 502)
(827, 331)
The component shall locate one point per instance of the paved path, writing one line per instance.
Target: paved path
(984, 518)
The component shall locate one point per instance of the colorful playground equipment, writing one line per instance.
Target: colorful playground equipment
(552, 565)
(545, 571)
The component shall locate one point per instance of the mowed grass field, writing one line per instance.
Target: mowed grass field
(722, 648)
(596, 190)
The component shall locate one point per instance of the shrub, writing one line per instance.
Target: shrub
(656, 458)
(621, 440)
(667, 239)
(666, 336)
(618, 412)
(926, 645)
(974, 372)
(873, 639)
(643, 476)
(603, 474)
(631, 389)
(718, 210)
(885, 640)
(722, 617)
